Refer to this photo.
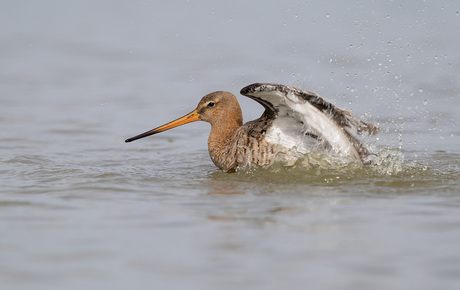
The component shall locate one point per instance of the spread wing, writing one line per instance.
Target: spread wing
(303, 119)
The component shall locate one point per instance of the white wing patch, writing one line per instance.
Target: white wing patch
(321, 125)
(299, 124)
(290, 134)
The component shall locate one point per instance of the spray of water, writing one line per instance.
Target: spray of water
(387, 161)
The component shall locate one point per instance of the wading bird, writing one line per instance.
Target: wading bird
(294, 119)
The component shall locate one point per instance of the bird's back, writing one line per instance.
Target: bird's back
(296, 119)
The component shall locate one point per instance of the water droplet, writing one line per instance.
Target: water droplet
(420, 90)
(328, 15)
(425, 102)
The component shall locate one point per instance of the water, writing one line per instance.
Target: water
(79, 208)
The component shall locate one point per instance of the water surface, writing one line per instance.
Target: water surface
(80, 208)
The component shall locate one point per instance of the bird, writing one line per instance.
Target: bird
(294, 119)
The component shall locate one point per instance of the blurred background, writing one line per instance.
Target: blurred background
(387, 59)
(80, 208)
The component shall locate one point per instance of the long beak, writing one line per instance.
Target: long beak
(190, 117)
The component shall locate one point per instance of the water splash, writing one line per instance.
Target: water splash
(388, 161)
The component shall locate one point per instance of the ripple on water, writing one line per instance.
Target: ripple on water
(387, 172)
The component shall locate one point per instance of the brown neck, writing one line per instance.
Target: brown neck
(222, 143)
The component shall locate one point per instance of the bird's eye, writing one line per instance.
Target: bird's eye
(211, 104)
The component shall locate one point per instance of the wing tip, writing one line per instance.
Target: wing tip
(368, 128)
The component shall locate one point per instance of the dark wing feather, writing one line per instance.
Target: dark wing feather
(288, 105)
(343, 118)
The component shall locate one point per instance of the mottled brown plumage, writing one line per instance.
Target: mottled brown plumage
(293, 118)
